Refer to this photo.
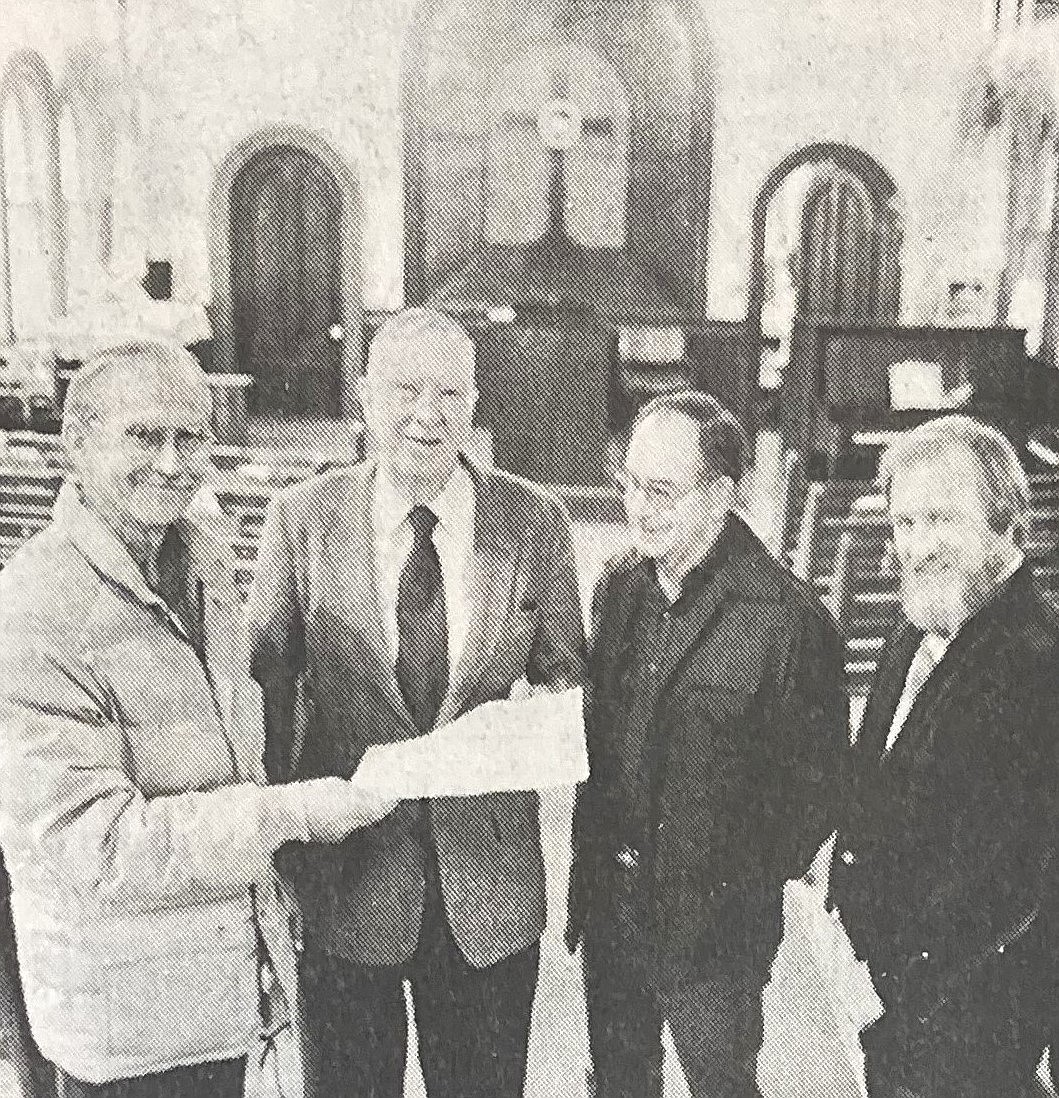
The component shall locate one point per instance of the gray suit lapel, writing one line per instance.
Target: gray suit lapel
(490, 591)
(349, 561)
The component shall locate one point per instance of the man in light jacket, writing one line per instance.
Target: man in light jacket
(137, 839)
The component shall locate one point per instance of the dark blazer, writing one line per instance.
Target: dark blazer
(939, 855)
(317, 635)
(751, 708)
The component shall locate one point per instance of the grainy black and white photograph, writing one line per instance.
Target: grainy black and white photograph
(529, 548)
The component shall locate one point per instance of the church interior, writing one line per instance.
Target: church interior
(837, 216)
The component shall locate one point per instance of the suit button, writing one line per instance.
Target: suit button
(848, 857)
(925, 955)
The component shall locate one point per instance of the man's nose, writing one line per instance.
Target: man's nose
(167, 459)
(918, 542)
(427, 408)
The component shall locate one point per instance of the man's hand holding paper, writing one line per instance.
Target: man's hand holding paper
(521, 743)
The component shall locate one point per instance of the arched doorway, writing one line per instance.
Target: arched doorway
(826, 244)
(285, 274)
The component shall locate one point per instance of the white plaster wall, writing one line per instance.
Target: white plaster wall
(880, 74)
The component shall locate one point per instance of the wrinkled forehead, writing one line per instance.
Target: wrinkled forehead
(153, 394)
(947, 479)
(424, 357)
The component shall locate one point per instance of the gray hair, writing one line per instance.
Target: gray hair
(87, 398)
(420, 325)
(1002, 483)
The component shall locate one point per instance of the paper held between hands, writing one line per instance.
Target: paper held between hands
(500, 746)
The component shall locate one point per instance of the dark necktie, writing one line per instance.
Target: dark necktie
(422, 627)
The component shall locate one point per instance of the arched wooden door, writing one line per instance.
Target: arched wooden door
(848, 269)
(286, 212)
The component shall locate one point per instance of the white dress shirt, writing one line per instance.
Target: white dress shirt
(453, 539)
(928, 655)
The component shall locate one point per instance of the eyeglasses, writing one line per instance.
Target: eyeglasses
(407, 394)
(660, 495)
(189, 444)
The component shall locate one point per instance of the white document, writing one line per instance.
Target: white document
(501, 746)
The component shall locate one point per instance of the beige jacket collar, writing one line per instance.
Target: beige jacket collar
(208, 558)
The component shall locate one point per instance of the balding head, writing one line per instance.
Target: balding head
(115, 375)
(423, 333)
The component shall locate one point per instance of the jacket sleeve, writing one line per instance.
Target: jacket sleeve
(277, 640)
(72, 817)
(585, 826)
(808, 717)
(557, 656)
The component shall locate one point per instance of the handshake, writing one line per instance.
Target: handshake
(327, 810)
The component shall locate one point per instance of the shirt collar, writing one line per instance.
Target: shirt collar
(713, 560)
(106, 552)
(452, 505)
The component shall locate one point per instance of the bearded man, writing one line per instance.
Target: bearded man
(940, 865)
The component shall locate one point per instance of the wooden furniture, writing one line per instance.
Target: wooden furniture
(544, 393)
(837, 383)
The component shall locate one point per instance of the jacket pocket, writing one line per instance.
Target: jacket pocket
(188, 993)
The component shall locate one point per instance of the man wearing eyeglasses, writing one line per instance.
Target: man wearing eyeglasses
(717, 723)
(134, 818)
(392, 597)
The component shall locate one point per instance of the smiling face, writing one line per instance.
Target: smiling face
(674, 512)
(948, 553)
(418, 399)
(144, 455)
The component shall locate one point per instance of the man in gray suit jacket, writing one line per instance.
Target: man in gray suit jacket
(389, 599)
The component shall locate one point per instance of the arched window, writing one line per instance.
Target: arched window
(81, 242)
(31, 213)
(558, 150)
